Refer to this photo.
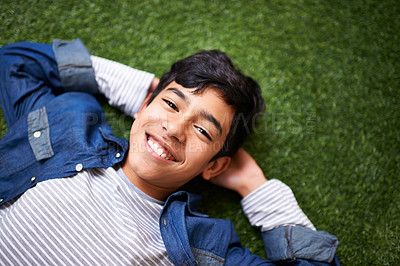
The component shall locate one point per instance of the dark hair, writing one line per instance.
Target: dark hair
(215, 69)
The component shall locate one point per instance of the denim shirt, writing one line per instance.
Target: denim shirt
(57, 128)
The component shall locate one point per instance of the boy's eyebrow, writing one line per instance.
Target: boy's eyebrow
(212, 119)
(180, 94)
(203, 113)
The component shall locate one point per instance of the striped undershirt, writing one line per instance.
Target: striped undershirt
(97, 217)
(124, 87)
(273, 205)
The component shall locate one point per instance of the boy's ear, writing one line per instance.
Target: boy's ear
(216, 167)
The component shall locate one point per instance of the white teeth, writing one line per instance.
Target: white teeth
(157, 150)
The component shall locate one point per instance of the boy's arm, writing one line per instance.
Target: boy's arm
(125, 88)
(271, 205)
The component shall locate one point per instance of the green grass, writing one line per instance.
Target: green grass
(329, 71)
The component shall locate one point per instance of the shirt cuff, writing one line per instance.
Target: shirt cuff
(74, 66)
(296, 242)
(273, 205)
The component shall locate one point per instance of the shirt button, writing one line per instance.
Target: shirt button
(33, 179)
(118, 155)
(164, 222)
(79, 167)
(37, 134)
(1, 200)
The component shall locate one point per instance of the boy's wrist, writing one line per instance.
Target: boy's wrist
(251, 185)
(153, 85)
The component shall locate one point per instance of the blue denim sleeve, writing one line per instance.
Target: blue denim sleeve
(305, 248)
(75, 66)
(28, 78)
(32, 74)
(296, 242)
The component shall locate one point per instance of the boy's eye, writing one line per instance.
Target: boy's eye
(171, 104)
(202, 131)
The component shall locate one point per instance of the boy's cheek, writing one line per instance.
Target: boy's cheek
(201, 153)
(194, 148)
(206, 150)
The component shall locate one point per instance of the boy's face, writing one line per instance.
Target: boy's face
(174, 138)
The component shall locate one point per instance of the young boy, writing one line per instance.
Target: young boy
(72, 193)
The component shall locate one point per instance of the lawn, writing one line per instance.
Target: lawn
(329, 71)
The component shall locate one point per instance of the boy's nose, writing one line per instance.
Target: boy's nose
(175, 128)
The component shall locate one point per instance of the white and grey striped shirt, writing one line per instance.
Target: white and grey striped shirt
(273, 205)
(124, 87)
(98, 217)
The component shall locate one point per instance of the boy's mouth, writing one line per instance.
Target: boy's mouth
(159, 149)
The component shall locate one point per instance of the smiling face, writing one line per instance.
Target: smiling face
(174, 138)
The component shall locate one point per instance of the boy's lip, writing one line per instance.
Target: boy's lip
(164, 144)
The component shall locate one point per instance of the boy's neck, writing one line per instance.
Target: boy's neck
(153, 191)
